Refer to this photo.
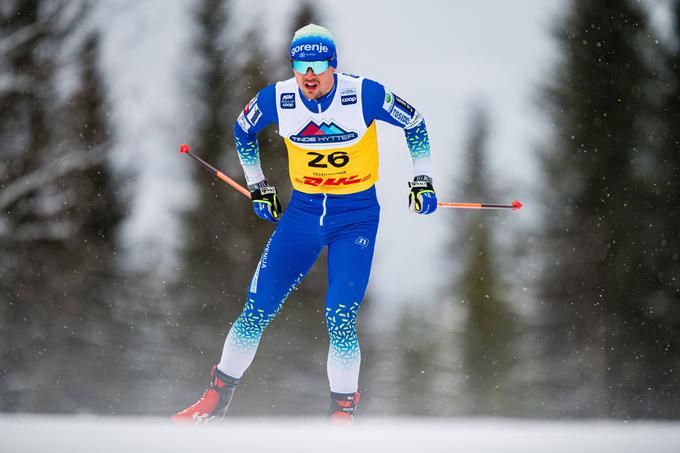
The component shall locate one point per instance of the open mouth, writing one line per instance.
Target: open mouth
(311, 86)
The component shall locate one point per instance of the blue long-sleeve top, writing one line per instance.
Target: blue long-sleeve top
(373, 95)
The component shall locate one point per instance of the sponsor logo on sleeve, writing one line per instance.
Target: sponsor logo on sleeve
(287, 100)
(250, 105)
(350, 75)
(400, 116)
(254, 114)
(388, 103)
(415, 121)
(243, 122)
(402, 104)
(402, 111)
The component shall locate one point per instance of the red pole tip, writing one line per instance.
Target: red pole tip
(516, 205)
(184, 148)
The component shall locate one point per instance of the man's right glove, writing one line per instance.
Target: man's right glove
(266, 202)
(422, 198)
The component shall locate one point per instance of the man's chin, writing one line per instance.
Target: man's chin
(311, 94)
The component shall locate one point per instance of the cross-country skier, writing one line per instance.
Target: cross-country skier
(327, 121)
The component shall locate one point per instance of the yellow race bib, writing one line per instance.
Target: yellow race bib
(341, 170)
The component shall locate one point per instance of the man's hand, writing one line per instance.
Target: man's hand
(266, 202)
(422, 198)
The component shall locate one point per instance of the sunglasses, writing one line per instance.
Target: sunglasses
(317, 66)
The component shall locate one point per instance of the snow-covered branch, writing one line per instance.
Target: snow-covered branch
(21, 37)
(43, 231)
(16, 84)
(73, 161)
(57, 18)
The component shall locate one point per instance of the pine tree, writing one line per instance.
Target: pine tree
(661, 174)
(58, 206)
(595, 291)
(25, 107)
(489, 330)
(213, 265)
(98, 208)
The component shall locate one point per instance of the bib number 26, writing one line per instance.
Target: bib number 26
(337, 159)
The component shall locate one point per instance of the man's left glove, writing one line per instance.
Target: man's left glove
(422, 198)
(266, 202)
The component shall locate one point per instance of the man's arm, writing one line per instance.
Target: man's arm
(380, 104)
(257, 114)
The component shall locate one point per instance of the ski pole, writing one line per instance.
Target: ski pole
(516, 205)
(184, 149)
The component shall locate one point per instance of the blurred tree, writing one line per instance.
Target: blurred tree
(417, 339)
(661, 173)
(305, 15)
(217, 252)
(603, 339)
(99, 209)
(490, 327)
(59, 206)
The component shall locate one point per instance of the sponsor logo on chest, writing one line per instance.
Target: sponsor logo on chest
(321, 133)
(348, 96)
(287, 100)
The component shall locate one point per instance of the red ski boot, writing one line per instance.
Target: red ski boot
(343, 406)
(214, 402)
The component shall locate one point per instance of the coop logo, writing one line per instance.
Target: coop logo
(332, 182)
(323, 133)
(348, 97)
(346, 100)
(287, 100)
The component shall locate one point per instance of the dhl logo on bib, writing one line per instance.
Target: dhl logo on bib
(338, 170)
(332, 182)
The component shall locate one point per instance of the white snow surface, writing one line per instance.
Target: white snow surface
(87, 434)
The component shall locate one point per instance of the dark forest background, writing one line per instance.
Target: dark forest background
(596, 335)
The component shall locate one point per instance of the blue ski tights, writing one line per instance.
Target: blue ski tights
(347, 224)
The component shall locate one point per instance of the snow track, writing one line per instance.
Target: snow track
(87, 434)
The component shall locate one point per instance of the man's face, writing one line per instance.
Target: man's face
(313, 86)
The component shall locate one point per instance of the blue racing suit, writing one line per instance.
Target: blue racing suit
(333, 163)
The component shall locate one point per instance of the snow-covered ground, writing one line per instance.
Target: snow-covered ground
(87, 434)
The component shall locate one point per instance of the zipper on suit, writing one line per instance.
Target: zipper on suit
(323, 213)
